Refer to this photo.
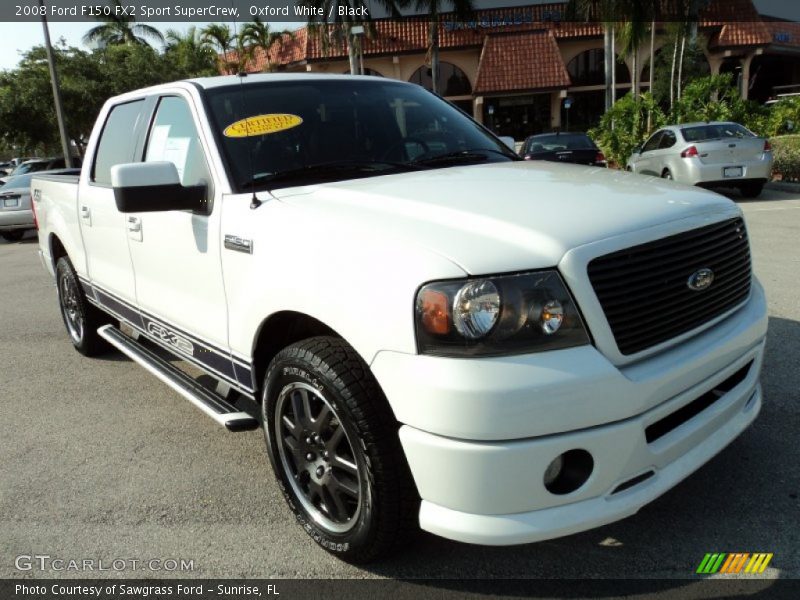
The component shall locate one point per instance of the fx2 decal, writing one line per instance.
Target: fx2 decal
(169, 337)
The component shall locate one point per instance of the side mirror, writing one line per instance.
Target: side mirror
(509, 141)
(637, 149)
(154, 187)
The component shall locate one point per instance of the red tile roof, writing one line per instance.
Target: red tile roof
(784, 33)
(520, 61)
(745, 33)
(733, 23)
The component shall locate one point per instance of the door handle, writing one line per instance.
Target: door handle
(134, 224)
(85, 212)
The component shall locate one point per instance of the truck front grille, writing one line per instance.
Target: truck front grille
(644, 290)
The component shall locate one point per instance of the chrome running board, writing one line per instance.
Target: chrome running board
(213, 405)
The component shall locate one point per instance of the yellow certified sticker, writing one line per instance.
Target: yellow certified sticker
(262, 124)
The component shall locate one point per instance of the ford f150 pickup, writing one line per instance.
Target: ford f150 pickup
(431, 331)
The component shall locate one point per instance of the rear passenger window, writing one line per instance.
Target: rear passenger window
(667, 140)
(117, 141)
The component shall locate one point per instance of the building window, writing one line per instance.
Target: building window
(367, 71)
(452, 80)
(588, 68)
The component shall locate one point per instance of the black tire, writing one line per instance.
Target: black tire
(80, 318)
(667, 175)
(384, 514)
(13, 235)
(751, 190)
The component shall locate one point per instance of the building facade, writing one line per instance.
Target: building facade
(526, 70)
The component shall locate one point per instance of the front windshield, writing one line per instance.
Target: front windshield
(285, 133)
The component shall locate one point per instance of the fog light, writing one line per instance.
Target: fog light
(568, 472)
(553, 470)
(552, 317)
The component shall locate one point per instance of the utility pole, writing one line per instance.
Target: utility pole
(62, 128)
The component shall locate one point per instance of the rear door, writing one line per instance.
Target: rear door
(103, 227)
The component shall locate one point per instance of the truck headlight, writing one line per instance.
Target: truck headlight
(490, 316)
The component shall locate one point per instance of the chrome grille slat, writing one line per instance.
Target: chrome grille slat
(643, 289)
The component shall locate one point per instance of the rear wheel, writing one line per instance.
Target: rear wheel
(667, 174)
(751, 190)
(13, 235)
(80, 318)
(333, 444)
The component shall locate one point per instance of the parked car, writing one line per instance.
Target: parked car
(577, 148)
(16, 214)
(488, 348)
(40, 164)
(715, 154)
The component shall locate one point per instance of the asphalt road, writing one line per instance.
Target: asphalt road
(100, 460)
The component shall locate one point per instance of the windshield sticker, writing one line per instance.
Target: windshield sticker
(261, 125)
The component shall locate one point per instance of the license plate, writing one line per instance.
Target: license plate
(732, 172)
(10, 203)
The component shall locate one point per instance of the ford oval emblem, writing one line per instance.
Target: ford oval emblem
(700, 280)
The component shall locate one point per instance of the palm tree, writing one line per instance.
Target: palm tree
(220, 37)
(463, 9)
(258, 34)
(193, 53)
(119, 28)
(632, 34)
(607, 12)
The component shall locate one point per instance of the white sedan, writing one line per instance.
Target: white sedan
(708, 154)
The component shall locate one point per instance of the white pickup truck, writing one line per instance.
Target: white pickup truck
(431, 331)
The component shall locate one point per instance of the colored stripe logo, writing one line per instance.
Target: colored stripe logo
(734, 562)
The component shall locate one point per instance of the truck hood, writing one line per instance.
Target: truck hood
(504, 216)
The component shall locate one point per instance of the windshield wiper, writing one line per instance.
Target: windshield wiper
(461, 157)
(336, 168)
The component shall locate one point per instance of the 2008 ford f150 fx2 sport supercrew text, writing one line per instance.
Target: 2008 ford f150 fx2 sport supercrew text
(431, 331)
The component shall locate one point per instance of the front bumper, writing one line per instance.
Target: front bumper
(477, 489)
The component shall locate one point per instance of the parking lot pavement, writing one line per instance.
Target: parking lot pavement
(102, 461)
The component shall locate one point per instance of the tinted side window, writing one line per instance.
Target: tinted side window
(667, 140)
(652, 143)
(174, 138)
(116, 145)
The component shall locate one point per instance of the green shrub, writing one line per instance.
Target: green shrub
(786, 150)
(624, 126)
(784, 117)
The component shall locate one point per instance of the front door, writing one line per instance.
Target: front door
(176, 254)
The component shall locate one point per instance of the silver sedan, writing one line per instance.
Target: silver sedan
(16, 212)
(708, 154)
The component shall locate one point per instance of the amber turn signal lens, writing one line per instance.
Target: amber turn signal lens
(434, 312)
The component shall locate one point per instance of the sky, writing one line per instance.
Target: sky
(18, 37)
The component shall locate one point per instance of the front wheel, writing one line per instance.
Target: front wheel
(334, 447)
(80, 318)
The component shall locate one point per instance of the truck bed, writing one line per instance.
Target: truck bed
(55, 200)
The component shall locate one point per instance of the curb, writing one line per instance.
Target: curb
(781, 186)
